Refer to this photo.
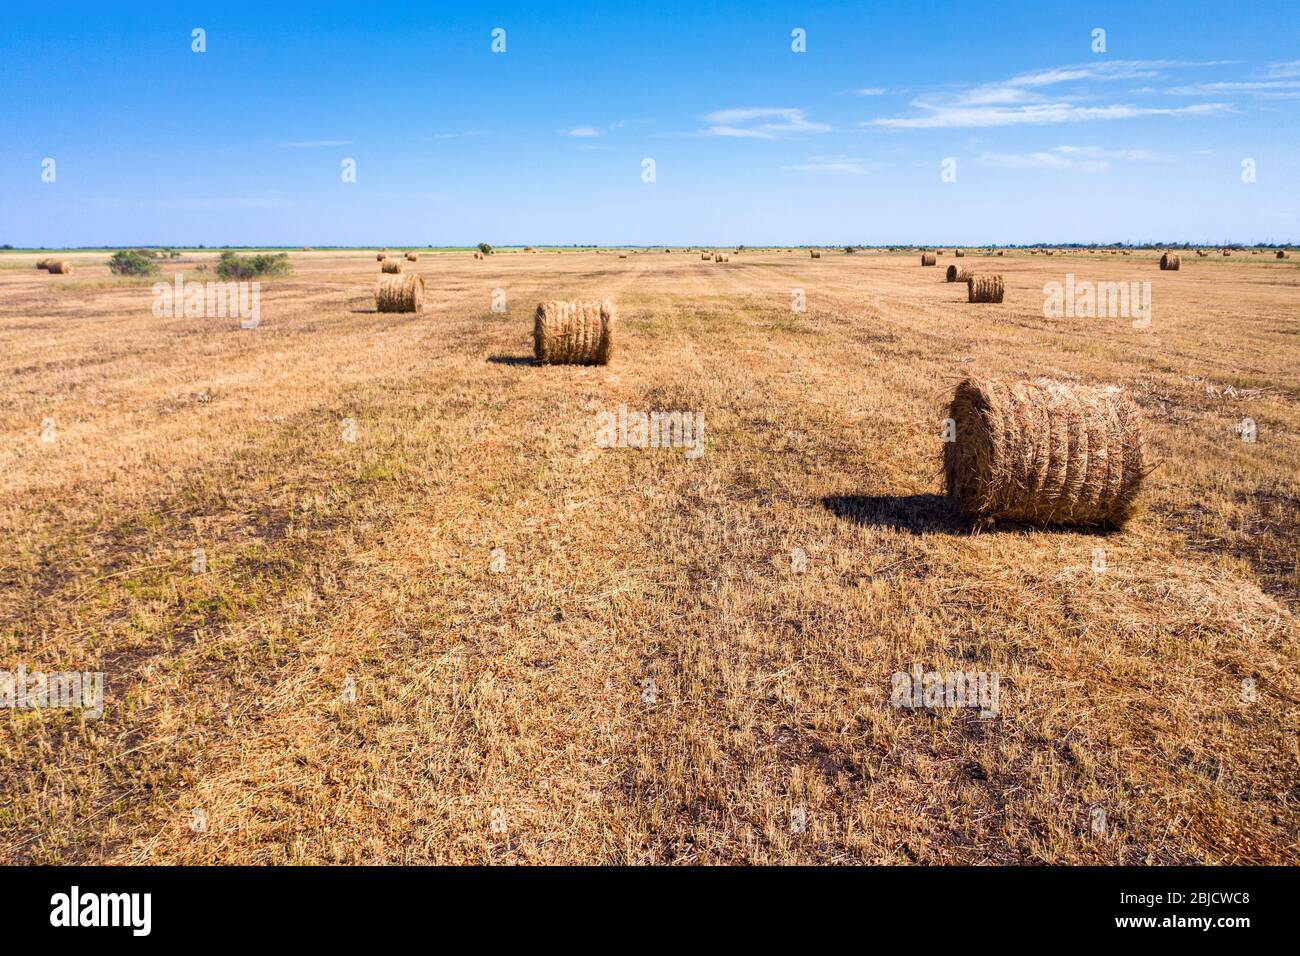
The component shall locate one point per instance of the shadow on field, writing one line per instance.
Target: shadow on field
(914, 513)
(512, 360)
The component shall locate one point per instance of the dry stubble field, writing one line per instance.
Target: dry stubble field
(524, 690)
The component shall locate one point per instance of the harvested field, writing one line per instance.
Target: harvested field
(429, 596)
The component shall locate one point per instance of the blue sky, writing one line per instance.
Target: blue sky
(752, 143)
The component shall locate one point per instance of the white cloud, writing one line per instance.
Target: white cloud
(1025, 99)
(777, 122)
(834, 165)
(1249, 86)
(1289, 68)
(869, 91)
(316, 143)
(1038, 114)
(465, 135)
(1084, 159)
(584, 132)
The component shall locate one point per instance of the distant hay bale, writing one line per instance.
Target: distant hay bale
(957, 275)
(42, 263)
(1200, 252)
(959, 253)
(999, 252)
(984, 289)
(1227, 252)
(381, 256)
(927, 259)
(623, 255)
(400, 293)
(1127, 253)
(59, 267)
(1170, 262)
(940, 252)
(705, 256)
(412, 257)
(815, 254)
(393, 266)
(1045, 452)
(1048, 252)
(306, 249)
(1281, 253)
(576, 333)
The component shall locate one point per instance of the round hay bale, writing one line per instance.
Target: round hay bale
(957, 275)
(392, 266)
(412, 257)
(400, 293)
(381, 256)
(705, 256)
(927, 259)
(815, 254)
(59, 267)
(959, 253)
(623, 255)
(1227, 252)
(1045, 452)
(999, 252)
(578, 333)
(42, 263)
(1170, 262)
(1281, 253)
(984, 289)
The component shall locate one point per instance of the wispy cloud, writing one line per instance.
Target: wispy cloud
(1244, 86)
(315, 143)
(584, 132)
(1084, 159)
(468, 134)
(1027, 99)
(761, 122)
(1035, 115)
(833, 165)
(867, 91)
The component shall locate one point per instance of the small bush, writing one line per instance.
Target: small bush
(484, 248)
(131, 262)
(234, 266)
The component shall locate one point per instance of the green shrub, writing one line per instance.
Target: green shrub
(234, 266)
(131, 262)
(484, 248)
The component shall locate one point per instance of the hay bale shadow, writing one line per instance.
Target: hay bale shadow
(512, 360)
(913, 513)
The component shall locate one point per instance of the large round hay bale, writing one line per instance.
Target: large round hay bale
(705, 256)
(412, 257)
(580, 333)
(999, 252)
(1227, 252)
(984, 289)
(59, 267)
(928, 259)
(1281, 253)
(959, 253)
(392, 266)
(1170, 262)
(381, 256)
(814, 254)
(1046, 452)
(957, 275)
(400, 293)
(42, 263)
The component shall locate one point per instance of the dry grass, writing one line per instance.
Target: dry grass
(528, 690)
